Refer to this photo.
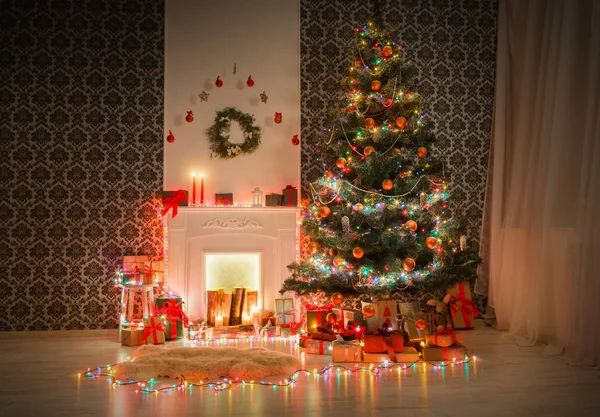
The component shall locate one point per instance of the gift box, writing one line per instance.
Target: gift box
(174, 316)
(269, 320)
(273, 200)
(181, 196)
(436, 353)
(408, 355)
(133, 267)
(443, 340)
(344, 351)
(374, 343)
(154, 331)
(290, 196)
(386, 315)
(318, 347)
(409, 310)
(371, 321)
(316, 316)
(290, 329)
(355, 330)
(224, 199)
(344, 316)
(379, 357)
(396, 340)
(132, 337)
(323, 336)
(285, 311)
(461, 307)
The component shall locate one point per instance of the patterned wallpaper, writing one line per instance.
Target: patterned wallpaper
(81, 104)
(452, 42)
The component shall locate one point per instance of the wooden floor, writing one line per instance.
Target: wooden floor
(39, 379)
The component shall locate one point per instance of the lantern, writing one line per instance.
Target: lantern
(257, 196)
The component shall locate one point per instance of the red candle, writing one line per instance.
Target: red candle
(193, 189)
(201, 188)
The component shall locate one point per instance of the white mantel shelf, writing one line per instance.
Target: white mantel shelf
(197, 231)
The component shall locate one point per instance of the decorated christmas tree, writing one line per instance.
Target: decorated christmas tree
(379, 219)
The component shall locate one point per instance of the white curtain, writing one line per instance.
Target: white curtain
(541, 227)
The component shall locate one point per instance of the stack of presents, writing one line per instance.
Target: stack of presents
(392, 331)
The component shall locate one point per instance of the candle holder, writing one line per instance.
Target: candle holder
(257, 196)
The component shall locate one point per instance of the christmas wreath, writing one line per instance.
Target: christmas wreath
(218, 134)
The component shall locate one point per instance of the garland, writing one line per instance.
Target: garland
(218, 134)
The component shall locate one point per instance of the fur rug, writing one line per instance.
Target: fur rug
(205, 363)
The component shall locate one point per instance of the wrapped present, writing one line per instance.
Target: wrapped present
(290, 329)
(344, 315)
(285, 311)
(396, 340)
(371, 321)
(461, 307)
(329, 337)
(436, 353)
(443, 339)
(175, 317)
(132, 337)
(318, 347)
(346, 351)
(154, 331)
(273, 200)
(355, 330)
(172, 200)
(290, 196)
(386, 315)
(379, 357)
(316, 316)
(269, 320)
(409, 310)
(154, 271)
(408, 355)
(413, 333)
(224, 199)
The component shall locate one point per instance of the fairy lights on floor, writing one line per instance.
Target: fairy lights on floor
(147, 386)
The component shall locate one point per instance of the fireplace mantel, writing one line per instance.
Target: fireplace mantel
(197, 231)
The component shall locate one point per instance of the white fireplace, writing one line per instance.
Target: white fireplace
(203, 241)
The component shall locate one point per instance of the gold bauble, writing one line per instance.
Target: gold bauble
(337, 298)
(422, 152)
(421, 324)
(324, 211)
(408, 264)
(368, 311)
(369, 150)
(387, 184)
(412, 225)
(340, 163)
(431, 242)
(358, 252)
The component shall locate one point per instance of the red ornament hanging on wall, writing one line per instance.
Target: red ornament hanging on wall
(295, 140)
(250, 81)
(219, 83)
(278, 117)
(190, 117)
(170, 137)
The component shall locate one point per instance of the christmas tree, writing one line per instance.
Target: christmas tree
(379, 219)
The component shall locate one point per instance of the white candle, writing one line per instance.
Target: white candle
(245, 319)
(255, 315)
(219, 321)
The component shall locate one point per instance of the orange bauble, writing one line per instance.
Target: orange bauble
(431, 242)
(421, 324)
(312, 247)
(329, 175)
(331, 318)
(358, 207)
(369, 123)
(408, 264)
(412, 225)
(397, 151)
(369, 150)
(333, 251)
(376, 85)
(358, 252)
(324, 211)
(358, 62)
(340, 163)
(387, 51)
(387, 184)
(401, 122)
(368, 311)
(422, 152)
(337, 298)
(339, 261)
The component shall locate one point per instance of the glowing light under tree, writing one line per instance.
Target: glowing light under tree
(379, 218)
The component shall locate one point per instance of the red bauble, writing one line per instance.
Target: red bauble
(277, 118)
(387, 184)
(376, 85)
(190, 117)
(358, 252)
(331, 318)
(329, 175)
(250, 81)
(421, 324)
(219, 83)
(295, 140)
(387, 51)
(422, 152)
(170, 138)
(324, 211)
(431, 242)
(370, 123)
(337, 298)
(369, 150)
(340, 163)
(401, 122)
(312, 247)
(388, 102)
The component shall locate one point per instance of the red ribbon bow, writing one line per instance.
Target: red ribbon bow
(172, 309)
(448, 330)
(354, 329)
(293, 326)
(172, 202)
(324, 307)
(466, 306)
(156, 325)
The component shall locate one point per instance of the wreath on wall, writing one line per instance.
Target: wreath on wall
(218, 134)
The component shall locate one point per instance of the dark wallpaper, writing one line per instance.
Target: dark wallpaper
(81, 110)
(81, 156)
